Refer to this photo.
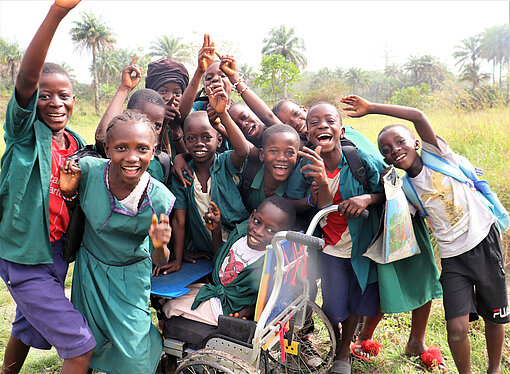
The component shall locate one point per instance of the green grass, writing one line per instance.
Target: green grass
(483, 137)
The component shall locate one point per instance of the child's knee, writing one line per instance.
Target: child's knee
(457, 329)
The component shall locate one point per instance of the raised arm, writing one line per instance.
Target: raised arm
(131, 76)
(35, 55)
(205, 58)
(229, 66)
(360, 107)
(218, 101)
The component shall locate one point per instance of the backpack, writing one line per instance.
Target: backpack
(466, 173)
(166, 163)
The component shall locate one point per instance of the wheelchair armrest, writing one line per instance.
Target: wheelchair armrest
(237, 328)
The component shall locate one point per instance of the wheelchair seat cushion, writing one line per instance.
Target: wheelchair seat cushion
(192, 332)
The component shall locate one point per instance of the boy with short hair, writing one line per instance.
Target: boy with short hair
(473, 275)
(33, 213)
(349, 279)
(213, 179)
(237, 265)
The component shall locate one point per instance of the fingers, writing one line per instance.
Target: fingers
(154, 220)
(171, 100)
(312, 155)
(215, 209)
(133, 62)
(164, 219)
(207, 40)
(217, 54)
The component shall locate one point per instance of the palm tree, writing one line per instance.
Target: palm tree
(356, 78)
(471, 73)
(170, 47)
(425, 69)
(248, 73)
(10, 58)
(92, 34)
(495, 47)
(468, 51)
(285, 43)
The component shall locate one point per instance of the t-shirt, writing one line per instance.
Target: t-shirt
(458, 217)
(239, 257)
(334, 226)
(59, 216)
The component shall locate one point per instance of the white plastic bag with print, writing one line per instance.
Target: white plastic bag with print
(395, 239)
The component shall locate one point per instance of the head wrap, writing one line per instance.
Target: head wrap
(166, 71)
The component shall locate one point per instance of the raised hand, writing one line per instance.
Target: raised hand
(212, 217)
(131, 74)
(67, 4)
(317, 169)
(172, 109)
(206, 54)
(218, 99)
(228, 65)
(358, 106)
(70, 175)
(160, 232)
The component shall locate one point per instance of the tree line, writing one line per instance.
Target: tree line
(282, 71)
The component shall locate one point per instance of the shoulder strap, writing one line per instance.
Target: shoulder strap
(354, 162)
(251, 169)
(166, 164)
(412, 195)
(441, 165)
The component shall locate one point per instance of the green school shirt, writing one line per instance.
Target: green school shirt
(112, 273)
(224, 193)
(243, 290)
(25, 185)
(362, 230)
(257, 194)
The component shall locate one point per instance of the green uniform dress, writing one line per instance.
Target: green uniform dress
(223, 192)
(112, 274)
(257, 194)
(407, 284)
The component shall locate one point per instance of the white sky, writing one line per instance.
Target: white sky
(336, 33)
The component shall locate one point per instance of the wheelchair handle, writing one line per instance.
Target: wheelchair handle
(364, 213)
(308, 240)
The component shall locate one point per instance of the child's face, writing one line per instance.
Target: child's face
(214, 74)
(325, 127)
(201, 140)
(399, 148)
(168, 90)
(263, 224)
(293, 115)
(55, 101)
(280, 155)
(155, 113)
(251, 126)
(130, 146)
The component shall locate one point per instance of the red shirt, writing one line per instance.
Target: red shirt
(59, 216)
(336, 224)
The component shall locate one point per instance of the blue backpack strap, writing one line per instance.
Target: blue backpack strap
(439, 164)
(412, 196)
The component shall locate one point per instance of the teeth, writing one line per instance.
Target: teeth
(324, 136)
(253, 240)
(131, 167)
(400, 157)
(55, 115)
(280, 167)
(251, 130)
(200, 153)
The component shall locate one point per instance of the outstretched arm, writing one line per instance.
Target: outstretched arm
(131, 76)
(31, 65)
(218, 101)
(359, 107)
(205, 58)
(229, 66)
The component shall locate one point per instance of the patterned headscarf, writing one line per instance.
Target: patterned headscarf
(166, 71)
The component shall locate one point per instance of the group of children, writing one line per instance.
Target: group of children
(241, 172)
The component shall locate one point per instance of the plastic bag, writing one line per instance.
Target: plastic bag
(395, 239)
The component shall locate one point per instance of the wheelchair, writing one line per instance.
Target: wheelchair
(291, 333)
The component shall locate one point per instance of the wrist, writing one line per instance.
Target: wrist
(69, 195)
(234, 78)
(311, 201)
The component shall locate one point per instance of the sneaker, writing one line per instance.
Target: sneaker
(308, 354)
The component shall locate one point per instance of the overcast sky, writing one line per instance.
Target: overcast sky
(336, 33)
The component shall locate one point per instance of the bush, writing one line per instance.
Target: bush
(412, 96)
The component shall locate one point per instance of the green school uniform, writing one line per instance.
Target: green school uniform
(224, 193)
(243, 290)
(257, 194)
(112, 273)
(412, 282)
(25, 185)
(361, 230)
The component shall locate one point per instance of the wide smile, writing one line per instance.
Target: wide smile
(251, 130)
(400, 157)
(131, 171)
(253, 242)
(300, 129)
(200, 153)
(324, 138)
(280, 169)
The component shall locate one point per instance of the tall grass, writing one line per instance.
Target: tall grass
(483, 137)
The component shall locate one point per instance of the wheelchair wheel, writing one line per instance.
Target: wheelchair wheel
(205, 361)
(316, 345)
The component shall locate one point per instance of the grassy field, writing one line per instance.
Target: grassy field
(483, 137)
